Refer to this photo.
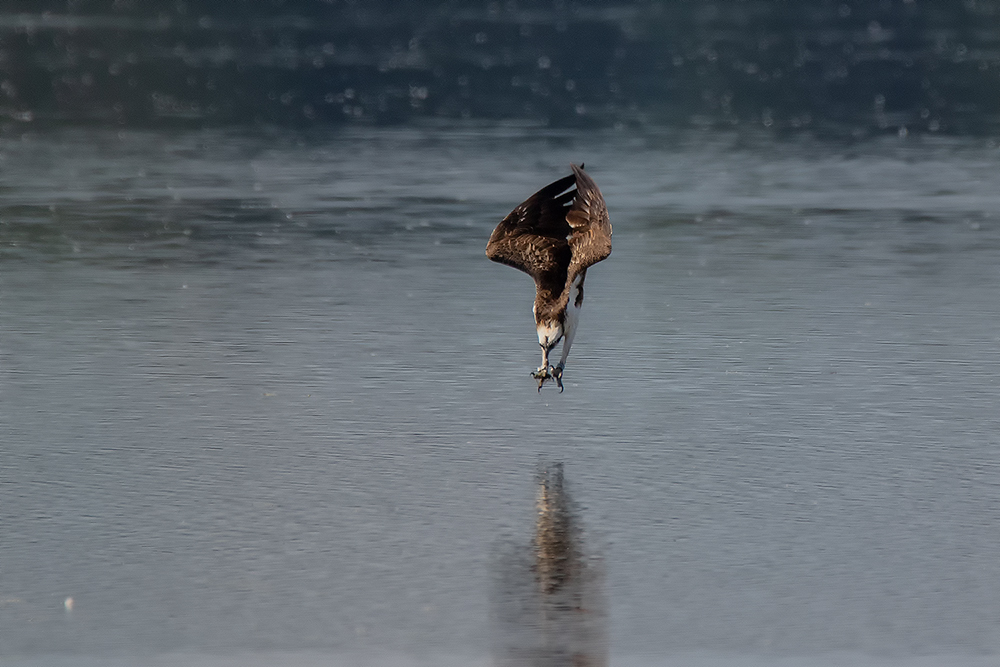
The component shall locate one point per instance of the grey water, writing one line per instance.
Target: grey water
(263, 400)
(548, 603)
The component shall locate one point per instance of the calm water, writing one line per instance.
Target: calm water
(263, 399)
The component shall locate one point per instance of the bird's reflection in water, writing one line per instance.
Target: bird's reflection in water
(549, 606)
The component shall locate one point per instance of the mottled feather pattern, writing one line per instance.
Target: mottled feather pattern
(553, 237)
(590, 224)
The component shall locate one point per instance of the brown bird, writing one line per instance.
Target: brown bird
(553, 237)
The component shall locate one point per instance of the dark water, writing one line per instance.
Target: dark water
(851, 67)
(263, 399)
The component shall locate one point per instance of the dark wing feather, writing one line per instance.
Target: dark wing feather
(555, 234)
(533, 238)
(590, 238)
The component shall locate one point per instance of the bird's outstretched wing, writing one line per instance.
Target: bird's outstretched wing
(556, 233)
(534, 237)
(590, 235)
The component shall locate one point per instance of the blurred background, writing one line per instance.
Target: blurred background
(850, 67)
(263, 399)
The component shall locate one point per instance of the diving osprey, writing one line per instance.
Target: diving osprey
(553, 237)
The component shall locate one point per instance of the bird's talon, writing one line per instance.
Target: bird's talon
(544, 373)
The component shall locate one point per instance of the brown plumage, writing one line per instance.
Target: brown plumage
(553, 237)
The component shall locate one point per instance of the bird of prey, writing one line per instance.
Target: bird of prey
(553, 237)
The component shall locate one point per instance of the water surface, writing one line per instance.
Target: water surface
(262, 397)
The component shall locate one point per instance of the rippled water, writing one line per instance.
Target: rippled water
(263, 399)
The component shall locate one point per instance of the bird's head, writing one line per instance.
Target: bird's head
(550, 332)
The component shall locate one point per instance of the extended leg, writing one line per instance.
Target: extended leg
(543, 374)
(557, 372)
